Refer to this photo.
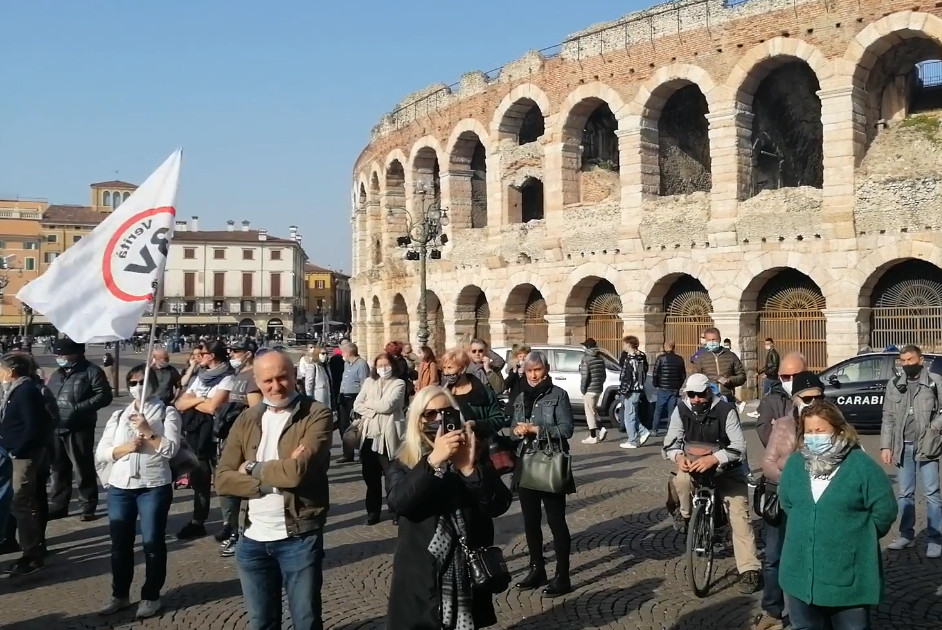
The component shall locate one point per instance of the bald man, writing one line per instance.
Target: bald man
(778, 402)
(168, 377)
(276, 456)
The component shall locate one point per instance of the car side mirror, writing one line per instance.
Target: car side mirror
(833, 380)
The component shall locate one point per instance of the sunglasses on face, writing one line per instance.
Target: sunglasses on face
(477, 352)
(135, 383)
(786, 377)
(810, 399)
(700, 395)
(431, 414)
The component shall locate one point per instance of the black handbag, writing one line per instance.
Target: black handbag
(487, 568)
(545, 465)
(765, 502)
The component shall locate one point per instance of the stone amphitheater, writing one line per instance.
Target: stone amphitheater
(771, 167)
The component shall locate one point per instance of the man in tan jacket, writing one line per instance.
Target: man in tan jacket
(276, 456)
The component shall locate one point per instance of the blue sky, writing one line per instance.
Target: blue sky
(272, 101)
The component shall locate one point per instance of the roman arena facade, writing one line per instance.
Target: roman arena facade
(772, 167)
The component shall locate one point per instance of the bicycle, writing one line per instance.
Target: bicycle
(705, 520)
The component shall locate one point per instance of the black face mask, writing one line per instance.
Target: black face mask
(912, 371)
(700, 407)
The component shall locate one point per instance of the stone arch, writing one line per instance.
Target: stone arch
(526, 201)
(525, 313)
(513, 108)
(376, 328)
(653, 95)
(787, 305)
(467, 174)
(472, 315)
(589, 121)
(399, 320)
(436, 322)
(426, 168)
(905, 304)
(762, 59)
(678, 307)
(884, 61)
(594, 307)
(362, 197)
(374, 185)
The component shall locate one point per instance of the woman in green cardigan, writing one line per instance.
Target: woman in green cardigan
(839, 503)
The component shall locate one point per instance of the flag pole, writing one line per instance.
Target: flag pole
(155, 305)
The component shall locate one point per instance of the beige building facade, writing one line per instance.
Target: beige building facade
(771, 168)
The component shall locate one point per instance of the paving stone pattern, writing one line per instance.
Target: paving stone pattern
(628, 568)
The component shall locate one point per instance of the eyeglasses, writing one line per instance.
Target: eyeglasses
(701, 395)
(478, 351)
(135, 383)
(811, 399)
(431, 414)
(786, 377)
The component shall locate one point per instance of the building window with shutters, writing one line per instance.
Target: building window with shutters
(248, 254)
(30, 264)
(247, 282)
(48, 257)
(219, 284)
(52, 238)
(276, 285)
(276, 254)
(189, 284)
(318, 284)
(219, 254)
(189, 253)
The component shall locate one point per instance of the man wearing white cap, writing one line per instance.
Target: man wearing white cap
(705, 434)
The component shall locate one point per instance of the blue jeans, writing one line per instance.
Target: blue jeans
(6, 489)
(124, 506)
(773, 599)
(929, 471)
(664, 407)
(810, 617)
(295, 563)
(629, 415)
(767, 385)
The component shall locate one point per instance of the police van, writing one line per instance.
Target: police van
(858, 385)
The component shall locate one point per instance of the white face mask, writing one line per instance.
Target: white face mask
(235, 363)
(136, 391)
(384, 372)
(787, 386)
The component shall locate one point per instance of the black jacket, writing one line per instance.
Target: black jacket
(80, 392)
(25, 425)
(592, 369)
(772, 361)
(419, 498)
(776, 404)
(670, 372)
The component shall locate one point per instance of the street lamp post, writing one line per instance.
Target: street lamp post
(423, 231)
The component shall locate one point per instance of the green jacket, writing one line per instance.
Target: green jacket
(831, 555)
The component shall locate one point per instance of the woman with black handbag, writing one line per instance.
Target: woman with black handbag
(445, 570)
(542, 416)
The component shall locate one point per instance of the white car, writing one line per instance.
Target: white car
(564, 364)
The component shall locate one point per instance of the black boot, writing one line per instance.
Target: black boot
(536, 577)
(558, 586)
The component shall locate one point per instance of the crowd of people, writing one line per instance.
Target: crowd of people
(257, 428)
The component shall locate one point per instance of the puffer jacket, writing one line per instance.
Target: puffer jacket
(783, 440)
(670, 372)
(927, 404)
(723, 362)
(776, 404)
(592, 369)
(80, 392)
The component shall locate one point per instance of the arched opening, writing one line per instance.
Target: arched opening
(247, 327)
(374, 185)
(523, 122)
(525, 202)
(482, 319)
(106, 199)
(603, 322)
(684, 143)
(395, 180)
(426, 173)
(377, 251)
(525, 316)
(125, 196)
(906, 305)
(115, 200)
(376, 329)
(791, 311)
(399, 320)
(275, 329)
(787, 132)
(436, 323)
(688, 310)
(472, 315)
(362, 198)
(469, 155)
(591, 144)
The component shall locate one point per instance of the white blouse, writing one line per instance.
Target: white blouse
(149, 467)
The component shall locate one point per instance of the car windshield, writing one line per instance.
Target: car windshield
(611, 363)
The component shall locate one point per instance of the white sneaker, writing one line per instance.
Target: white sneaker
(628, 444)
(590, 440)
(148, 608)
(114, 605)
(602, 433)
(934, 550)
(901, 543)
(741, 406)
(753, 414)
(643, 437)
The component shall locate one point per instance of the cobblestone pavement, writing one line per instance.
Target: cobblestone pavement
(628, 570)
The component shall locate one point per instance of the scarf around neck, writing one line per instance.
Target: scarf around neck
(448, 548)
(822, 465)
(210, 377)
(532, 392)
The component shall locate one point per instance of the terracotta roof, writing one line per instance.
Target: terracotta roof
(311, 268)
(115, 183)
(225, 236)
(73, 215)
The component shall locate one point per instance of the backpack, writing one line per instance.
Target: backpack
(225, 417)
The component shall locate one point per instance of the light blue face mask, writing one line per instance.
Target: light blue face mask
(712, 346)
(64, 363)
(818, 443)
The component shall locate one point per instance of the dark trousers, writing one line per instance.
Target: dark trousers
(201, 482)
(294, 563)
(773, 599)
(230, 506)
(804, 616)
(664, 407)
(532, 503)
(374, 468)
(74, 449)
(124, 506)
(344, 418)
(29, 504)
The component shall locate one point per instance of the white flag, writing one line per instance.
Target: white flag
(99, 288)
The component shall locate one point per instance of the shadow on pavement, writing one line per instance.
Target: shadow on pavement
(593, 609)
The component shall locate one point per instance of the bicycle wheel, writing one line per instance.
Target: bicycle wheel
(700, 551)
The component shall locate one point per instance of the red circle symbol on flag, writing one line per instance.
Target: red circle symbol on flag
(135, 252)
